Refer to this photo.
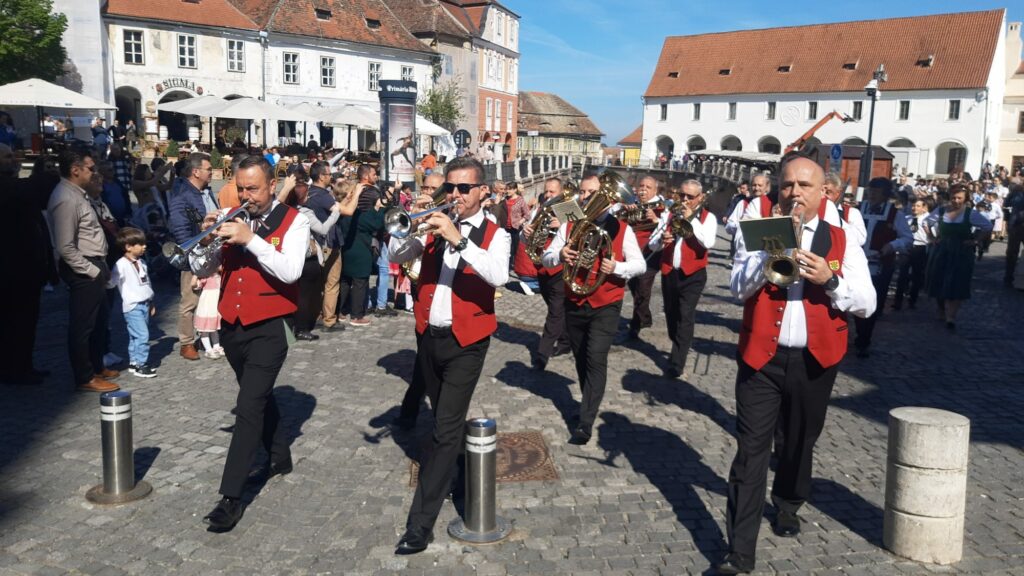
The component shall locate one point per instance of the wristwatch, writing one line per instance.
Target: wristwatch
(461, 245)
(832, 283)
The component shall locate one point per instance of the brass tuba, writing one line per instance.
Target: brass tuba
(781, 268)
(589, 240)
(541, 224)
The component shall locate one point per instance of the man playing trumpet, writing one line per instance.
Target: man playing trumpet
(684, 269)
(463, 261)
(553, 340)
(791, 342)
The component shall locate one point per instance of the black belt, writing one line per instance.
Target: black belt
(439, 332)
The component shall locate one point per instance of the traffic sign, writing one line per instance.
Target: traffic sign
(836, 153)
(461, 138)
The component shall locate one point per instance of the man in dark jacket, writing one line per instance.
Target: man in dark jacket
(188, 204)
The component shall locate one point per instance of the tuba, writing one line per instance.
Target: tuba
(781, 268)
(589, 240)
(541, 224)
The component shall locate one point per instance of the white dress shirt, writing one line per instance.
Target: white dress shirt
(855, 293)
(921, 236)
(732, 223)
(634, 263)
(856, 232)
(491, 264)
(704, 232)
(659, 228)
(285, 265)
(753, 210)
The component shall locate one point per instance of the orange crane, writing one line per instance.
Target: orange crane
(799, 142)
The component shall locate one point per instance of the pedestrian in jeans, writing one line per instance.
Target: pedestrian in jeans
(131, 278)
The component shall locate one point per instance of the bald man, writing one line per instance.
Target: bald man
(784, 375)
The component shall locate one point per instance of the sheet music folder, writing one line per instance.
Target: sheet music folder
(567, 211)
(756, 230)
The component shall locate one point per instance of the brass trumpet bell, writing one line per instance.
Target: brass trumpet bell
(590, 241)
(398, 222)
(177, 254)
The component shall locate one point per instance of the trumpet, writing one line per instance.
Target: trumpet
(177, 254)
(636, 214)
(411, 268)
(398, 221)
(541, 224)
(589, 240)
(781, 268)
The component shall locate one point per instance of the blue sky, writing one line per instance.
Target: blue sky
(599, 54)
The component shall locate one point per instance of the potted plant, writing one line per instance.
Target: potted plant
(172, 150)
(217, 164)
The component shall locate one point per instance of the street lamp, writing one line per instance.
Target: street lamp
(879, 76)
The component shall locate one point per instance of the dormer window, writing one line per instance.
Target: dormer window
(673, 74)
(850, 66)
(373, 24)
(785, 68)
(322, 13)
(926, 61)
(725, 72)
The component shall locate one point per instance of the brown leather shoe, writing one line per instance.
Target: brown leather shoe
(108, 374)
(98, 384)
(189, 352)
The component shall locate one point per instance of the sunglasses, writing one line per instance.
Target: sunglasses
(448, 187)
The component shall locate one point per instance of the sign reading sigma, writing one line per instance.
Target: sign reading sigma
(169, 83)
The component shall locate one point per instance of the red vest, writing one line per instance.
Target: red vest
(643, 237)
(473, 316)
(844, 212)
(612, 289)
(248, 294)
(826, 326)
(765, 204)
(521, 264)
(694, 256)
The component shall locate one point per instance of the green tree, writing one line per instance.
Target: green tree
(30, 45)
(442, 105)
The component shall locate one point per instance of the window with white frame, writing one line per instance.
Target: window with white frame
(858, 110)
(236, 56)
(291, 67)
(499, 26)
(501, 70)
(488, 113)
(133, 47)
(696, 110)
(904, 113)
(812, 110)
(512, 76)
(954, 110)
(186, 51)
(374, 72)
(732, 110)
(448, 64)
(770, 113)
(497, 114)
(508, 119)
(664, 112)
(327, 71)
(407, 73)
(513, 32)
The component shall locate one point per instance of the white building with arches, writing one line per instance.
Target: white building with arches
(760, 90)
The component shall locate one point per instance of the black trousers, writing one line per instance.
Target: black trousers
(256, 354)
(591, 331)
(793, 390)
(354, 289)
(680, 294)
(552, 289)
(87, 322)
(310, 295)
(18, 338)
(450, 373)
(911, 275)
(1014, 237)
(866, 326)
(513, 247)
(640, 287)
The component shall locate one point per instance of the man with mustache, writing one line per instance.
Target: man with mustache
(791, 342)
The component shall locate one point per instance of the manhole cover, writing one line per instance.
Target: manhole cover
(522, 457)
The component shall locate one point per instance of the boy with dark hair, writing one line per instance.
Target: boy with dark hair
(131, 278)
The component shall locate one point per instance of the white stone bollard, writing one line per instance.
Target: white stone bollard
(926, 484)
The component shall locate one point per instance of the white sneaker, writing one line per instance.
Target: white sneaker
(220, 350)
(111, 359)
(211, 354)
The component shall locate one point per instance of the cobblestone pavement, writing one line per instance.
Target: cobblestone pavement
(647, 496)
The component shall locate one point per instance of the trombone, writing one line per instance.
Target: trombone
(177, 254)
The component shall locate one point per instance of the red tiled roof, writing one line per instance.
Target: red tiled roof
(961, 46)
(220, 13)
(427, 16)
(550, 114)
(454, 7)
(634, 138)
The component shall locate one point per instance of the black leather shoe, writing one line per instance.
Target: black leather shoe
(280, 468)
(561, 352)
(339, 327)
(225, 515)
(736, 563)
(414, 541)
(673, 373)
(404, 423)
(580, 436)
(786, 524)
(307, 336)
(539, 363)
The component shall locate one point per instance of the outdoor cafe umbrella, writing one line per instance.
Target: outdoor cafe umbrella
(351, 115)
(41, 94)
(197, 106)
(252, 109)
(310, 109)
(425, 127)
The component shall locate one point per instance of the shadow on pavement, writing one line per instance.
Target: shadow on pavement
(674, 469)
(549, 385)
(848, 508)
(296, 408)
(399, 364)
(144, 459)
(660, 390)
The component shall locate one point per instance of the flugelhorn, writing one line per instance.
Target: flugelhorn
(782, 268)
(177, 254)
(398, 221)
(589, 240)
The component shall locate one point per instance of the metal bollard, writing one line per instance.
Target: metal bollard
(482, 525)
(119, 484)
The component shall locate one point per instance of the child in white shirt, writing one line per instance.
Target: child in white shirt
(131, 277)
